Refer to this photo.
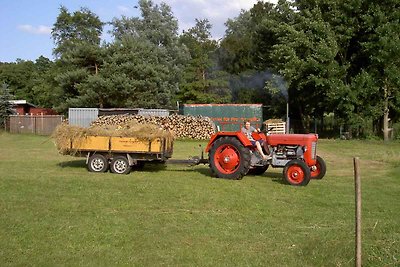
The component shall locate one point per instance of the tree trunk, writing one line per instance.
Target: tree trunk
(101, 103)
(302, 121)
(386, 114)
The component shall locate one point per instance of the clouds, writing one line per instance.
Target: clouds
(124, 10)
(39, 30)
(216, 11)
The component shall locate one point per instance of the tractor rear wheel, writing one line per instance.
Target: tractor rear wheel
(320, 169)
(297, 173)
(229, 158)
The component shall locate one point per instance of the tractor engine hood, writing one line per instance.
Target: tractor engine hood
(291, 139)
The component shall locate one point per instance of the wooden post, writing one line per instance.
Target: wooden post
(357, 182)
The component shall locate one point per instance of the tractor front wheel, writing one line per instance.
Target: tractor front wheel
(319, 171)
(229, 158)
(297, 173)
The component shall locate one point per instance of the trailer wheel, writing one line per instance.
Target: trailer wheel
(229, 158)
(97, 163)
(297, 173)
(320, 169)
(120, 165)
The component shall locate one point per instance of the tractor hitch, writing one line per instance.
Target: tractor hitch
(192, 161)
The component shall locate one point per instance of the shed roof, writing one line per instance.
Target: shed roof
(21, 102)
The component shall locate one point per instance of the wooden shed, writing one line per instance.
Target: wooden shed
(23, 107)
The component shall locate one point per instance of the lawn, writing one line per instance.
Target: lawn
(54, 212)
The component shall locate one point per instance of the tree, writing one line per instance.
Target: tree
(79, 53)
(32, 81)
(235, 52)
(45, 89)
(243, 48)
(72, 30)
(5, 105)
(367, 34)
(203, 83)
(148, 56)
(381, 45)
(245, 53)
(20, 78)
(336, 56)
(157, 25)
(351, 102)
(135, 74)
(305, 56)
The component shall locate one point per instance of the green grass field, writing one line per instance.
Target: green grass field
(54, 212)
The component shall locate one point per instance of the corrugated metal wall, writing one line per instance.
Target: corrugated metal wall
(82, 116)
(154, 112)
(36, 124)
(85, 116)
(118, 111)
(228, 117)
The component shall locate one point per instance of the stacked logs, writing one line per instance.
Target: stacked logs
(192, 127)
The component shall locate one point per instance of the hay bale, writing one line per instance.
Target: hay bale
(64, 134)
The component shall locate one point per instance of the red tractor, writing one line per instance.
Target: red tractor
(232, 156)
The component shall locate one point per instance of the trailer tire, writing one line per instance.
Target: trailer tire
(320, 170)
(229, 159)
(120, 165)
(97, 163)
(297, 173)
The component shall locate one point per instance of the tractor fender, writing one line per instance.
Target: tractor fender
(239, 135)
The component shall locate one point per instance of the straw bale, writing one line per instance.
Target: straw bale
(64, 133)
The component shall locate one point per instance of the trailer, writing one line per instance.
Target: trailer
(118, 154)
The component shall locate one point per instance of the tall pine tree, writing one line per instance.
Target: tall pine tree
(5, 105)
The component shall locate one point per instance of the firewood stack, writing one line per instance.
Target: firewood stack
(192, 127)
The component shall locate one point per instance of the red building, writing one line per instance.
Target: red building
(22, 107)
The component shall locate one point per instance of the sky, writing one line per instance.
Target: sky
(25, 25)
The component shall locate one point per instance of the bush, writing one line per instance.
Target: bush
(5, 106)
(396, 131)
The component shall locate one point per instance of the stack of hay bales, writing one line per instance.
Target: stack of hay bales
(192, 127)
(65, 133)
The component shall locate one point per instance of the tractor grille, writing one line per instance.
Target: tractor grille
(313, 150)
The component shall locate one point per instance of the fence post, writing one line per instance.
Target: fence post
(357, 182)
(34, 124)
